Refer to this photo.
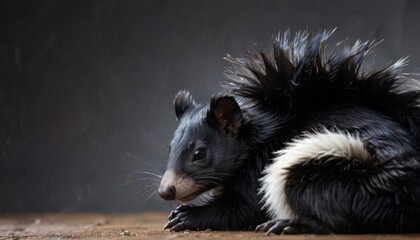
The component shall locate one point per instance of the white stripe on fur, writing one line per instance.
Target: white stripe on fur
(311, 147)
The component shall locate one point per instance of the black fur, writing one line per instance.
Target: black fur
(381, 195)
(229, 163)
(293, 88)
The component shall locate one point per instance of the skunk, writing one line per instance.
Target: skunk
(301, 140)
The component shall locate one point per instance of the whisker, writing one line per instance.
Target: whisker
(211, 177)
(217, 174)
(151, 195)
(140, 172)
(136, 180)
(148, 187)
(145, 161)
(146, 191)
(154, 184)
(149, 190)
(209, 181)
(150, 173)
(130, 174)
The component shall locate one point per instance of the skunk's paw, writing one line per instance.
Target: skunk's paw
(274, 226)
(177, 210)
(288, 226)
(178, 219)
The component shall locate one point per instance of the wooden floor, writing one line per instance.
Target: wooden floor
(123, 226)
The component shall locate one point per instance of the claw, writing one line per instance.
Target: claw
(292, 226)
(277, 228)
(178, 227)
(166, 226)
(261, 227)
(265, 226)
(177, 219)
(176, 211)
(290, 230)
(171, 223)
(173, 214)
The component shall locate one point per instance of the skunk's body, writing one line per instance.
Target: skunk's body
(345, 142)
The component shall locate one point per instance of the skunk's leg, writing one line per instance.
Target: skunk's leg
(287, 226)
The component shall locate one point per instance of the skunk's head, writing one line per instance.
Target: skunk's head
(205, 150)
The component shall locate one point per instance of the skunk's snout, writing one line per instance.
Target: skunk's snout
(176, 186)
(167, 189)
(167, 193)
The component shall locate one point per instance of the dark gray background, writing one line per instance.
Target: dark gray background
(86, 87)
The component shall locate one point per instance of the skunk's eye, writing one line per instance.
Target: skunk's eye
(199, 154)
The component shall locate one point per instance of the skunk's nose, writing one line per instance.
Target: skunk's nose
(167, 193)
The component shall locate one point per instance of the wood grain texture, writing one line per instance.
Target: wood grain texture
(129, 226)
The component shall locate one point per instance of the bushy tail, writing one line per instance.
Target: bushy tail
(297, 76)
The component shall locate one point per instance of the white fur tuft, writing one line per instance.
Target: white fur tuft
(311, 147)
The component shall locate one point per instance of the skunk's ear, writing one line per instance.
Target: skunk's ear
(182, 102)
(226, 113)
